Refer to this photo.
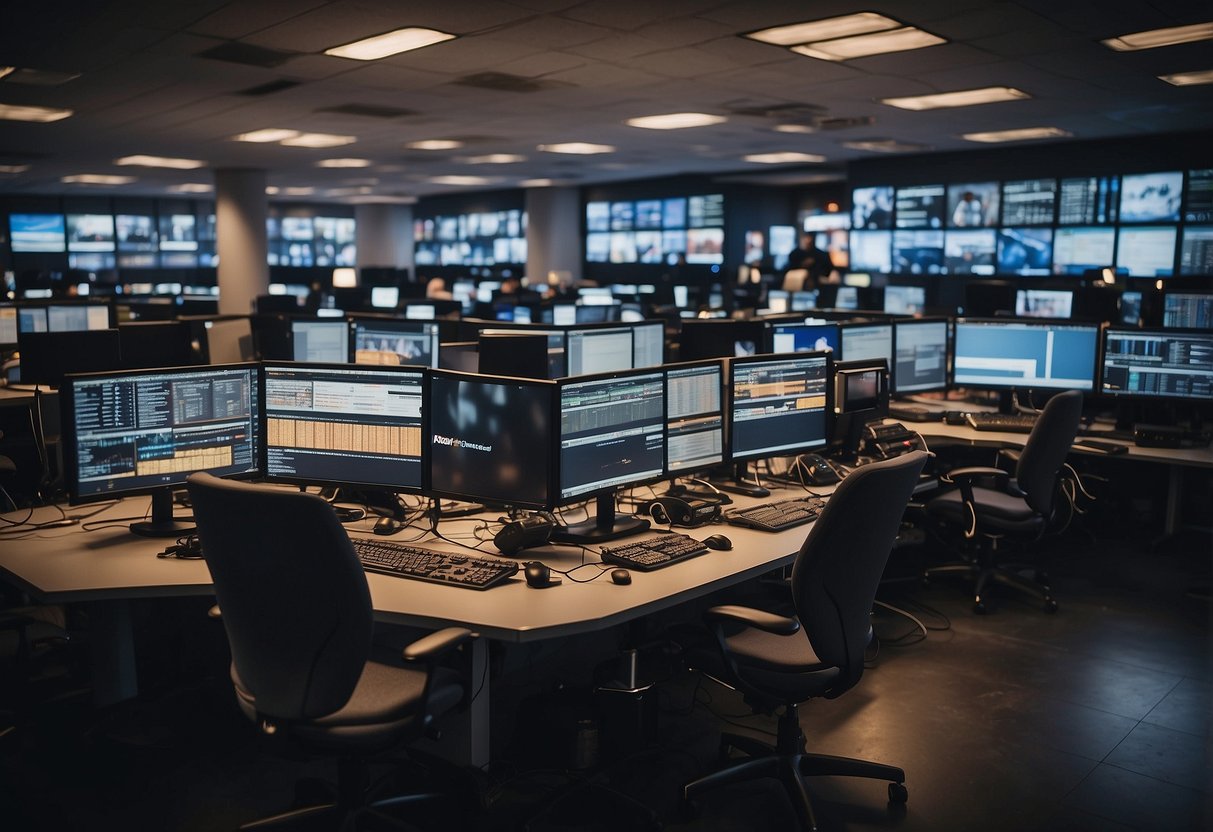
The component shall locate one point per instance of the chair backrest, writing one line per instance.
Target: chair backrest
(836, 573)
(293, 595)
(794, 280)
(1045, 451)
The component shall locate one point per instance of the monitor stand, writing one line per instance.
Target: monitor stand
(162, 523)
(738, 484)
(1006, 401)
(605, 525)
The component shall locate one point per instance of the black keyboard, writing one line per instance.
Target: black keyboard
(449, 568)
(1008, 422)
(777, 516)
(647, 555)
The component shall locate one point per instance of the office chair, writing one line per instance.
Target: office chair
(794, 280)
(776, 661)
(1020, 507)
(297, 610)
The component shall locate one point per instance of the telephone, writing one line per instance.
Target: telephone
(889, 440)
(812, 469)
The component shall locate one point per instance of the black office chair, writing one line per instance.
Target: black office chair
(295, 603)
(1019, 507)
(774, 662)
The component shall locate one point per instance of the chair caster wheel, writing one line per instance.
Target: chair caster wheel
(979, 607)
(1050, 605)
(898, 793)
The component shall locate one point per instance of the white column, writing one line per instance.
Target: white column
(240, 238)
(553, 233)
(385, 235)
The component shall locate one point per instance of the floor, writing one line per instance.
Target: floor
(1094, 718)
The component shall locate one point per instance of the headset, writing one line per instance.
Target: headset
(675, 511)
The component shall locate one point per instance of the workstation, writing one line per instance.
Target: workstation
(610, 406)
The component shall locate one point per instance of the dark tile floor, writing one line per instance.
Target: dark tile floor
(1096, 718)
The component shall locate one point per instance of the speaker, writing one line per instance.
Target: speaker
(675, 511)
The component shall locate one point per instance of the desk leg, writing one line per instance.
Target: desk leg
(111, 652)
(1175, 493)
(465, 736)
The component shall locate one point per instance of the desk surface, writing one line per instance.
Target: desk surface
(70, 564)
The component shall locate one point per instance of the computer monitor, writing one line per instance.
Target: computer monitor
(8, 326)
(395, 342)
(419, 312)
(611, 435)
(146, 344)
(847, 297)
(861, 341)
(648, 344)
(1076, 250)
(46, 357)
(556, 345)
(861, 395)
(64, 316)
(706, 338)
(920, 356)
(1024, 355)
(320, 342)
(1187, 310)
(804, 300)
(228, 340)
(813, 335)
(1146, 251)
(145, 431)
(564, 314)
(385, 297)
(1044, 303)
(778, 404)
(905, 300)
(598, 350)
(344, 425)
(1157, 364)
(491, 439)
(778, 300)
(694, 397)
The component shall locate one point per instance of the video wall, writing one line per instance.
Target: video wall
(656, 230)
(301, 239)
(1144, 225)
(487, 238)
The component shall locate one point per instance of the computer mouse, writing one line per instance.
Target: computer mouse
(621, 576)
(539, 576)
(718, 542)
(386, 525)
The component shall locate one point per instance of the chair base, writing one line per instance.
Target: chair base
(984, 575)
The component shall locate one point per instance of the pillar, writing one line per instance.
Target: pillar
(385, 235)
(240, 238)
(553, 233)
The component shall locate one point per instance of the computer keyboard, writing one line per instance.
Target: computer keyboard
(777, 516)
(449, 568)
(1008, 422)
(654, 553)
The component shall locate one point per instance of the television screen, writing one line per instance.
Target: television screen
(648, 246)
(36, 233)
(1146, 251)
(178, 232)
(1196, 250)
(623, 216)
(1188, 310)
(904, 300)
(1151, 197)
(1044, 303)
(297, 228)
(1028, 201)
(1198, 202)
(674, 213)
(872, 208)
(969, 252)
(918, 252)
(813, 336)
(973, 205)
(135, 232)
(598, 247)
(706, 211)
(921, 206)
(648, 213)
(1088, 200)
(1077, 249)
(598, 216)
(1027, 251)
(623, 247)
(705, 245)
(872, 251)
(90, 232)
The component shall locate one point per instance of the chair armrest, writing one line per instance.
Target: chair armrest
(766, 621)
(974, 472)
(428, 648)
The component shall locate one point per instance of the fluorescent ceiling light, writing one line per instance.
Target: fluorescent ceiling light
(494, 159)
(13, 168)
(461, 180)
(675, 121)
(879, 43)
(885, 146)
(269, 134)
(961, 98)
(318, 140)
(1188, 79)
(298, 190)
(783, 157)
(391, 43)
(192, 188)
(536, 183)
(344, 163)
(577, 148)
(435, 144)
(97, 179)
(828, 29)
(7, 70)
(1019, 135)
(18, 112)
(795, 128)
(160, 162)
(1161, 37)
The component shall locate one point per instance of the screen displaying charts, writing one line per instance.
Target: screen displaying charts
(1028, 201)
(921, 206)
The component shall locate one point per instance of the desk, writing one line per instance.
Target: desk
(107, 568)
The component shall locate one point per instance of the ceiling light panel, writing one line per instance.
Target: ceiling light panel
(462, 180)
(318, 140)
(879, 43)
(18, 112)
(390, 43)
(675, 121)
(160, 162)
(960, 98)
(269, 134)
(192, 188)
(96, 179)
(1188, 79)
(13, 168)
(344, 163)
(828, 29)
(494, 159)
(783, 158)
(795, 128)
(1018, 135)
(435, 144)
(1161, 37)
(577, 148)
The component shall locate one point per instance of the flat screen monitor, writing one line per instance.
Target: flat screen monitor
(37, 233)
(702, 338)
(920, 362)
(64, 316)
(90, 232)
(321, 342)
(135, 432)
(973, 205)
(694, 397)
(1076, 250)
(229, 340)
(419, 312)
(811, 336)
(1158, 364)
(905, 300)
(1044, 303)
(556, 345)
(1028, 201)
(778, 405)
(46, 357)
(847, 297)
(872, 207)
(1026, 251)
(648, 344)
(1198, 201)
(1088, 200)
(491, 439)
(1024, 355)
(1187, 310)
(921, 206)
(344, 425)
(872, 251)
(1146, 251)
(918, 252)
(599, 350)
(777, 300)
(970, 251)
(1151, 197)
(146, 344)
(1129, 307)
(395, 342)
(803, 301)
(1196, 250)
(864, 341)
(8, 325)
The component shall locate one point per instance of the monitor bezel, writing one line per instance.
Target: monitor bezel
(1038, 323)
(766, 358)
(1160, 331)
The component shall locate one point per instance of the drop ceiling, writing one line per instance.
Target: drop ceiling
(180, 79)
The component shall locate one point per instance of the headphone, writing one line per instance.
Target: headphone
(675, 511)
(186, 548)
